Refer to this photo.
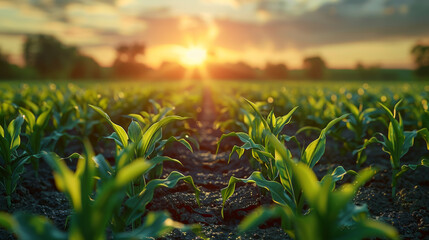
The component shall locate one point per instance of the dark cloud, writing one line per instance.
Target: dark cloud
(58, 4)
(341, 22)
(329, 24)
(55, 9)
(332, 23)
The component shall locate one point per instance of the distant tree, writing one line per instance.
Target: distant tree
(9, 71)
(49, 56)
(420, 53)
(128, 53)
(239, 70)
(171, 70)
(53, 59)
(6, 70)
(276, 71)
(366, 72)
(126, 64)
(375, 72)
(314, 67)
(85, 67)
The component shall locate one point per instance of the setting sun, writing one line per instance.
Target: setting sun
(194, 56)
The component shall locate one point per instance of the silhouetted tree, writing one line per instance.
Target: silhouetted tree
(49, 56)
(85, 67)
(239, 70)
(366, 72)
(314, 67)
(53, 59)
(6, 70)
(420, 53)
(126, 64)
(10, 71)
(276, 71)
(171, 70)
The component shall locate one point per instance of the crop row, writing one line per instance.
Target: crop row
(109, 193)
(104, 193)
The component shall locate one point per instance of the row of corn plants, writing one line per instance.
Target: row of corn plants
(309, 208)
(107, 200)
(397, 129)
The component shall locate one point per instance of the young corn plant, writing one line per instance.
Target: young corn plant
(279, 178)
(92, 211)
(396, 144)
(358, 122)
(331, 213)
(34, 227)
(147, 143)
(255, 140)
(64, 120)
(11, 162)
(284, 190)
(147, 119)
(34, 132)
(135, 205)
(148, 139)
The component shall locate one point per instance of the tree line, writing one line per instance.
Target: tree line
(45, 57)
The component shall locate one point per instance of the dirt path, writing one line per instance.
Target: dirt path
(211, 173)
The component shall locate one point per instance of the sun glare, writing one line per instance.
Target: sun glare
(194, 56)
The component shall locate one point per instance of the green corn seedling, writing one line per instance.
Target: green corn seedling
(33, 227)
(396, 144)
(254, 140)
(145, 137)
(280, 181)
(134, 208)
(260, 128)
(331, 214)
(147, 144)
(358, 121)
(284, 191)
(35, 134)
(148, 140)
(91, 214)
(92, 211)
(12, 162)
(64, 120)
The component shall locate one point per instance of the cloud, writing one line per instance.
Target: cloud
(332, 24)
(56, 9)
(237, 25)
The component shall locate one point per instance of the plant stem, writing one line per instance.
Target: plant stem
(395, 171)
(9, 202)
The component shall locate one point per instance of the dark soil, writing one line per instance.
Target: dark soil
(408, 212)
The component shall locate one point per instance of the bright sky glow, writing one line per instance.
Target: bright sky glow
(193, 56)
(255, 31)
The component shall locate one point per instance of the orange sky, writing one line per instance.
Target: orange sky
(343, 32)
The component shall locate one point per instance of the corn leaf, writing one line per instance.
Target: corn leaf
(31, 227)
(276, 189)
(65, 179)
(29, 118)
(118, 129)
(135, 132)
(316, 149)
(135, 206)
(150, 136)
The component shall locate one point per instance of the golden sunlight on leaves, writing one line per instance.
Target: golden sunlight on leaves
(193, 56)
